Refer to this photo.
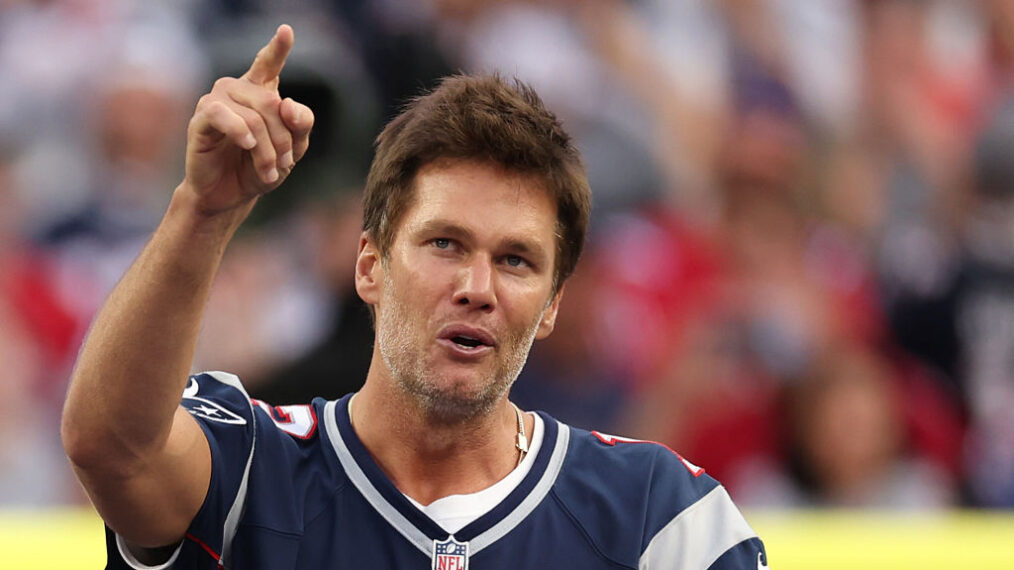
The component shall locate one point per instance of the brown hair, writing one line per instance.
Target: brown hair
(481, 118)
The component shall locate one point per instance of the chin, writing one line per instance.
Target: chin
(458, 400)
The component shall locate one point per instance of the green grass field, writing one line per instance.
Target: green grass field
(796, 540)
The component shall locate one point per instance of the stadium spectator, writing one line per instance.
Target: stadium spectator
(38, 337)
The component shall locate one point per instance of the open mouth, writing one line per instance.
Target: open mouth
(467, 342)
(467, 339)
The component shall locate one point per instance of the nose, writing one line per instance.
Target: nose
(475, 284)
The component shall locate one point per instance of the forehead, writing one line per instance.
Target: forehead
(483, 198)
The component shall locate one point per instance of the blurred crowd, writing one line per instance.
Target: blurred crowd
(801, 267)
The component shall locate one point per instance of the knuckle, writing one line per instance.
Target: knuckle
(204, 112)
(267, 99)
(223, 83)
(216, 110)
(307, 122)
(215, 106)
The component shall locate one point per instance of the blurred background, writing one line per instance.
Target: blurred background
(800, 272)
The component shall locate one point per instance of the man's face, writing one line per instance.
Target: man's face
(466, 287)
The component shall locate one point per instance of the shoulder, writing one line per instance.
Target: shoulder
(252, 442)
(659, 454)
(613, 464)
(666, 508)
(270, 467)
(219, 399)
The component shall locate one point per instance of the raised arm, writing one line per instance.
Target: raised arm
(144, 461)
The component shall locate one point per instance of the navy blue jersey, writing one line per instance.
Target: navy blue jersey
(293, 487)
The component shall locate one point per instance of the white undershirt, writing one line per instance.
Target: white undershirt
(454, 512)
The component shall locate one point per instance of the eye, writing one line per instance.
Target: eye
(442, 243)
(515, 261)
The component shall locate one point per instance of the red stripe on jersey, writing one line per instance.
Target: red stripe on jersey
(607, 439)
(205, 547)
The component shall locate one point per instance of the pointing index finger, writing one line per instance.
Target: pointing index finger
(271, 58)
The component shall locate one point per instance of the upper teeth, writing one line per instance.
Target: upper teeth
(461, 339)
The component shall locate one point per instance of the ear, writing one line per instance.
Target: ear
(368, 270)
(549, 316)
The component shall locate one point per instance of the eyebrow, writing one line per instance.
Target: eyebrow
(446, 228)
(526, 248)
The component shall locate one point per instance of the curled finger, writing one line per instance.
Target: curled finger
(299, 120)
(267, 104)
(216, 120)
(263, 153)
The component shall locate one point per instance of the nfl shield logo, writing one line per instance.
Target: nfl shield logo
(450, 554)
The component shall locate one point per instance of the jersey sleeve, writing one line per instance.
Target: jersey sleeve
(225, 413)
(692, 522)
(747, 554)
(644, 506)
(710, 533)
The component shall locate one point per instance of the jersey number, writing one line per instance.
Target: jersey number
(297, 420)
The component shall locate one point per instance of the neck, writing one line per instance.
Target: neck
(428, 459)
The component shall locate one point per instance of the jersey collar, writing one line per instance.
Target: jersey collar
(412, 523)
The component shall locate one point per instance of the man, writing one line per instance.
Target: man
(475, 212)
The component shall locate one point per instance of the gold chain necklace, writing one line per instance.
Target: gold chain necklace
(522, 443)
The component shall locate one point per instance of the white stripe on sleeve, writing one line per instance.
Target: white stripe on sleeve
(697, 536)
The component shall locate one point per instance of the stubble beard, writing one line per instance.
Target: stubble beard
(412, 374)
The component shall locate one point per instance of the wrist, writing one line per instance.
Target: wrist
(185, 208)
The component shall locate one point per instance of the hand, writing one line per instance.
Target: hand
(243, 139)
